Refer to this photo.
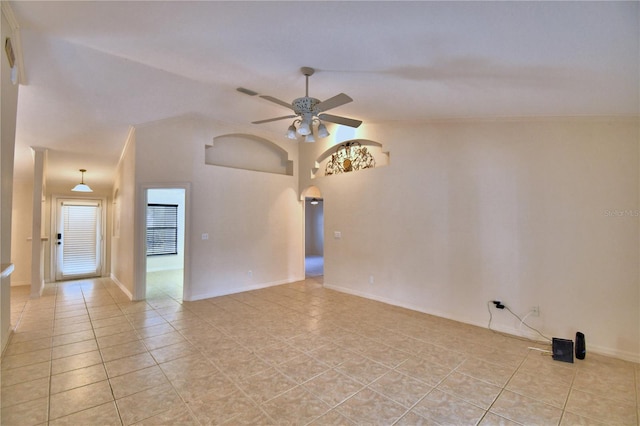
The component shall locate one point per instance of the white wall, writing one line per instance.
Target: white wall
(524, 211)
(21, 232)
(123, 266)
(9, 109)
(253, 219)
(169, 262)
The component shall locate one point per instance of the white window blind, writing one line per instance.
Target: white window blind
(80, 224)
(162, 229)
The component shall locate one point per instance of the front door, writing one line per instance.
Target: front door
(78, 239)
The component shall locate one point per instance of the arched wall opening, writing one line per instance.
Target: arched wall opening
(372, 148)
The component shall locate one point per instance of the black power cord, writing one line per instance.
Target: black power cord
(499, 305)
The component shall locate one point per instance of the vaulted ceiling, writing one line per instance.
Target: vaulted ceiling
(93, 68)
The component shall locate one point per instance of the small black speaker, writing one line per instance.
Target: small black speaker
(581, 348)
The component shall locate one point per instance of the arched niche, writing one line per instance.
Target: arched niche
(375, 148)
(248, 152)
(311, 192)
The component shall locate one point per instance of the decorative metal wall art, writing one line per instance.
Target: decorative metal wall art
(349, 157)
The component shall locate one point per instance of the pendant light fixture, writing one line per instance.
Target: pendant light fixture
(82, 187)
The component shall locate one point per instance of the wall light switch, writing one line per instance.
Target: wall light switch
(205, 236)
(337, 235)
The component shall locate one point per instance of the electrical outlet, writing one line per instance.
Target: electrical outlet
(535, 311)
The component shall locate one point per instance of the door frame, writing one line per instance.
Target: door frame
(311, 191)
(53, 257)
(140, 288)
(307, 202)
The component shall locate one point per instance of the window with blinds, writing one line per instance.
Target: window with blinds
(80, 248)
(162, 229)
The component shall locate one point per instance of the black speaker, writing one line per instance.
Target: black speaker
(562, 349)
(581, 348)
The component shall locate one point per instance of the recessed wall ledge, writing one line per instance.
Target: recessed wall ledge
(7, 269)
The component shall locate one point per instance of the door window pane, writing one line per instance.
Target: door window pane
(79, 250)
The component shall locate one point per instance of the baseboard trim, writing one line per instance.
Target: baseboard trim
(35, 294)
(623, 355)
(124, 289)
(226, 292)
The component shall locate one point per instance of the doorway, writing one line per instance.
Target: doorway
(314, 237)
(78, 239)
(165, 242)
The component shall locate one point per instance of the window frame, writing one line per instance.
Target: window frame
(172, 240)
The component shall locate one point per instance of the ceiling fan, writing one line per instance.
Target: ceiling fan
(309, 111)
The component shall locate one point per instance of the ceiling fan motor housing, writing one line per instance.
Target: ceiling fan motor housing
(304, 105)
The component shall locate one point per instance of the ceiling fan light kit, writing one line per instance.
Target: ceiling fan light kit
(308, 113)
(304, 128)
(291, 132)
(322, 131)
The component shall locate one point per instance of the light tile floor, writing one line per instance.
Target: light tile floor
(293, 354)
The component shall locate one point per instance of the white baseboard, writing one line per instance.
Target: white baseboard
(615, 353)
(226, 292)
(164, 269)
(124, 289)
(38, 292)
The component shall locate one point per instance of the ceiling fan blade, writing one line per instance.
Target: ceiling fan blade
(277, 101)
(334, 102)
(268, 120)
(340, 120)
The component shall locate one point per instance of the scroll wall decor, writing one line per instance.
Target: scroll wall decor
(349, 157)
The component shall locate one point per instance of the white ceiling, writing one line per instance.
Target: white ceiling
(95, 68)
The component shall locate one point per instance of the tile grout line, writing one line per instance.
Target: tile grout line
(15, 327)
(187, 405)
(104, 366)
(228, 329)
(504, 388)
(235, 384)
(566, 400)
(53, 325)
(434, 388)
